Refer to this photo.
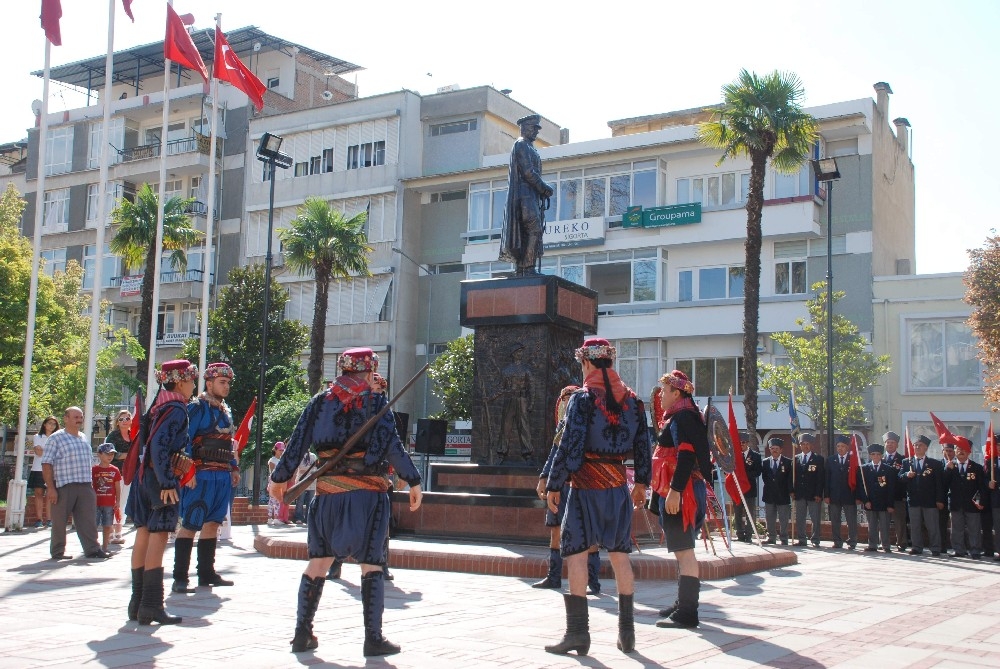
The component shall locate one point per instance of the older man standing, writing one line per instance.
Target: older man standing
(895, 459)
(66, 466)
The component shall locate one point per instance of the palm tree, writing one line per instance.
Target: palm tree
(134, 243)
(760, 117)
(325, 242)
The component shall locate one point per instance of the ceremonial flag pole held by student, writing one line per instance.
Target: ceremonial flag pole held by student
(855, 472)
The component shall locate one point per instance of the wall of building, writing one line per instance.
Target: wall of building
(893, 201)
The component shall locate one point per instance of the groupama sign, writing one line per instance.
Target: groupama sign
(660, 217)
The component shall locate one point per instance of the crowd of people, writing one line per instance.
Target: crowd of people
(912, 504)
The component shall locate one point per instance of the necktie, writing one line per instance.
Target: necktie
(962, 469)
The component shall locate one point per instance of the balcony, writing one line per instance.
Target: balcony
(189, 155)
(174, 285)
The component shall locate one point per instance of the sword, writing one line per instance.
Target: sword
(292, 493)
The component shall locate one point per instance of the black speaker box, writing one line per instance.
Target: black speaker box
(431, 434)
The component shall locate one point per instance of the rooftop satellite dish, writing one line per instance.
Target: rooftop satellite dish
(36, 107)
(256, 46)
(327, 95)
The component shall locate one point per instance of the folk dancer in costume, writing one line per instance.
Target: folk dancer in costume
(554, 520)
(681, 466)
(153, 498)
(605, 424)
(350, 514)
(204, 508)
(879, 496)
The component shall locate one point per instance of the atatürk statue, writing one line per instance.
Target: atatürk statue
(527, 200)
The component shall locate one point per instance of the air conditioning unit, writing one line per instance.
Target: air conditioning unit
(762, 344)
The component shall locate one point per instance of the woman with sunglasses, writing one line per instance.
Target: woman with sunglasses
(119, 436)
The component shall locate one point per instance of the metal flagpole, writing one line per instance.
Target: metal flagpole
(17, 488)
(102, 212)
(209, 226)
(158, 239)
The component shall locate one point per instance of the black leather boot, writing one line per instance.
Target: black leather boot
(373, 604)
(151, 607)
(334, 573)
(626, 623)
(182, 562)
(206, 564)
(554, 577)
(686, 613)
(577, 636)
(133, 603)
(594, 573)
(310, 591)
(385, 569)
(667, 612)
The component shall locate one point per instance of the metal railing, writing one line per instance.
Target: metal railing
(199, 143)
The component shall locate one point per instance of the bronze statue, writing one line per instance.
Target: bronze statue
(527, 200)
(515, 425)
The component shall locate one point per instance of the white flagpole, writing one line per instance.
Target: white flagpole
(102, 212)
(158, 240)
(17, 488)
(206, 275)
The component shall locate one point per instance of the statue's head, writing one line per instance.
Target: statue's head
(530, 125)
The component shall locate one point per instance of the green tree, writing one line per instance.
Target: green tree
(234, 336)
(760, 117)
(451, 374)
(855, 370)
(324, 242)
(134, 242)
(982, 281)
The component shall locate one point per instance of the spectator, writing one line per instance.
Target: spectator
(107, 481)
(119, 438)
(36, 481)
(302, 503)
(66, 465)
(277, 511)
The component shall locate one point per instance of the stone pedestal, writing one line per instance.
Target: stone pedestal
(526, 331)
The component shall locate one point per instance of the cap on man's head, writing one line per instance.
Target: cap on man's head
(890, 436)
(947, 447)
(358, 360)
(876, 448)
(922, 439)
(173, 371)
(530, 119)
(842, 439)
(807, 438)
(744, 435)
(774, 442)
(106, 448)
(595, 348)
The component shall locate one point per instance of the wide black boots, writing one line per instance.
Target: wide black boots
(133, 603)
(373, 603)
(554, 577)
(151, 607)
(626, 623)
(577, 635)
(206, 564)
(684, 613)
(594, 573)
(182, 563)
(310, 591)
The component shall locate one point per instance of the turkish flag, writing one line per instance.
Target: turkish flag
(229, 67)
(243, 431)
(127, 4)
(178, 46)
(908, 446)
(739, 475)
(853, 463)
(51, 13)
(990, 451)
(131, 463)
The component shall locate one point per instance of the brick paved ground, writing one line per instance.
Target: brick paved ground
(832, 609)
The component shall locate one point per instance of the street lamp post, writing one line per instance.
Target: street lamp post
(826, 170)
(267, 153)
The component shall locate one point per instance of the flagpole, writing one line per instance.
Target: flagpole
(210, 225)
(158, 239)
(17, 488)
(795, 442)
(102, 212)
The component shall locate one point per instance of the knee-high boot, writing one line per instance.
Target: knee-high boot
(151, 607)
(133, 603)
(182, 562)
(594, 573)
(373, 603)
(577, 636)
(310, 591)
(626, 623)
(554, 577)
(385, 569)
(206, 564)
(685, 613)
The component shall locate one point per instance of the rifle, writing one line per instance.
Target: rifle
(292, 493)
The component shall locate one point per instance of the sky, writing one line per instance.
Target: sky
(582, 64)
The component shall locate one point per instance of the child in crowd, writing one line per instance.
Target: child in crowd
(107, 481)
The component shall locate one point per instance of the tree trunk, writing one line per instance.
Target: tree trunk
(317, 337)
(146, 316)
(751, 287)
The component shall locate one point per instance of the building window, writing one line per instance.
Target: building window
(453, 128)
(487, 202)
(710, 283)
(273, 82)
(327, 165)
(55, 211)
(448, 196)
(790, 277)
(489, 270)
(606, 190)
(302, 169)
(315, 165)
(714, 376)
(943, 355)
(189, 318)
(116, 141)
(640, 363)
(59, 150)
(54, 260)
(109, 268)
(368, 154)
(714, 190)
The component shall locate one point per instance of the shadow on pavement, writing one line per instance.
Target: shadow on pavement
(108, 651)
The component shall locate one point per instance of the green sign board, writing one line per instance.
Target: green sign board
(632, 217)
(676, 214)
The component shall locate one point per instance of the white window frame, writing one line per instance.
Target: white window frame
(967, 352)
(55, 212)
(695, 273)
(453, 127)
(698, 188)
(59, 150)
(690, 367)
(55, 261)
